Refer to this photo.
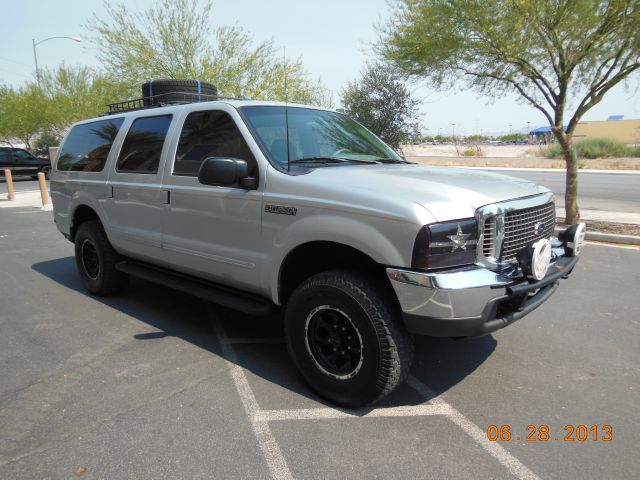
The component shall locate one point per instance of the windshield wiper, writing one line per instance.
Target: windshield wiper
(390, 160)
(331, 160)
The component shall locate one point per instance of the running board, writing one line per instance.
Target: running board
(211, 292)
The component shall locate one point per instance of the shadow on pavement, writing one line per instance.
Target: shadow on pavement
(440, 363)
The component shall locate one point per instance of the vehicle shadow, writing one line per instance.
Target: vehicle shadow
(440, 363)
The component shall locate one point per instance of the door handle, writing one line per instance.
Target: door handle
(167, 197)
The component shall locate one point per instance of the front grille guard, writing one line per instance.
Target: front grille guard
(491, 222)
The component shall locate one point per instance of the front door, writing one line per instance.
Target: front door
(208, 231)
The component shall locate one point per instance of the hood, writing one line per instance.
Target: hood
(448, 193)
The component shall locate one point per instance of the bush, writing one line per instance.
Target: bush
(41, 146)
(596, 148)
(469, 152)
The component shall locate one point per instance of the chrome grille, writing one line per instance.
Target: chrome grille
(489, 235)
(507, 227)
(519, 228)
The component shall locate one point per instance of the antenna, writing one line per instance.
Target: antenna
(286, 106)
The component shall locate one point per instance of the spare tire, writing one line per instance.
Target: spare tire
(172, 91)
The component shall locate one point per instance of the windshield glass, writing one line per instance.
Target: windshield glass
(315, 135)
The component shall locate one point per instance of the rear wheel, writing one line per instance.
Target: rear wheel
(347, 338)
(96, 260)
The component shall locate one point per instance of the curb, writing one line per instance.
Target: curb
(559, 170)
(609, 237)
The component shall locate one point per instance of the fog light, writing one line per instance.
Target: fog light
(534, 260)
(573, 238)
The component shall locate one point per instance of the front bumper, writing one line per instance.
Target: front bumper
(472, 301)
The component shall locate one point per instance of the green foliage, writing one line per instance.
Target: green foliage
(23, 113)
(470, 152)
(40, 146)
(382, 102)
(512, 137)
(65, 95)
(595, 148)
(176, 39)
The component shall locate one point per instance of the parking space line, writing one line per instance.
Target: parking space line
(328, 413)
(259, 419)
(494, 449)
(267, 442)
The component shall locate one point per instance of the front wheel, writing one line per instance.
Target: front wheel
(347, 339)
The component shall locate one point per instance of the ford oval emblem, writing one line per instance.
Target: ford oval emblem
(539, 228)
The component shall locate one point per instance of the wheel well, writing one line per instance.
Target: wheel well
(82, 214)
(315, 257)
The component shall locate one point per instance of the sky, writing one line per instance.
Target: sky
(332, 37)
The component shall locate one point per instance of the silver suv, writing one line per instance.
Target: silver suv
(261, 206)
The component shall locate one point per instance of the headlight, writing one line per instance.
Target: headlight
(447, 244)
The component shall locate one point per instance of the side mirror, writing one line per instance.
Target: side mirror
(226, 172)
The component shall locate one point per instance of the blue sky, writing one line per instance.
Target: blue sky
(330, 36)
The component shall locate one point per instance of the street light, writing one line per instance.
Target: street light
(35, 56)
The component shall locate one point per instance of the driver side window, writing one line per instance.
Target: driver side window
(207, 134)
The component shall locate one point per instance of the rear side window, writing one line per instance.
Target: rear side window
(209, 134)
(87, 146)
(142, 147)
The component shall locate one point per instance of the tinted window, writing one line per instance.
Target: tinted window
(87, 146)
(5, 155)
(143, 145)
(209, 134)
(22, 154)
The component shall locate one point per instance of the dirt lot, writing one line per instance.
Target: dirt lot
(507, 156)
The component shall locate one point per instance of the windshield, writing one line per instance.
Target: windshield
(315, 136)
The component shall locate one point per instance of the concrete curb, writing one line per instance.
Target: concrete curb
(531, 169)
(609, 237)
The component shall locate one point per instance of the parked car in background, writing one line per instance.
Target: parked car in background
(21, 162)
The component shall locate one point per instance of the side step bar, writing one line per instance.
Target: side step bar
(211, 292)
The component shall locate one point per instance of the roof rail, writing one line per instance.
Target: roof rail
(162, 100)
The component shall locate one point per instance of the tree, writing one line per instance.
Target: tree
(175, 39)
(559, 56)
(23, 113)
(65, 95)
(382, 103)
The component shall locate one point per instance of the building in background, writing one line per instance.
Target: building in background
(616, 128)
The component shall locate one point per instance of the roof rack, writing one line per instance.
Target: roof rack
(162, 100)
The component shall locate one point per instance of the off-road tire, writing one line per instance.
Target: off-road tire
(166, 88)
(387, 346)
(106, 280)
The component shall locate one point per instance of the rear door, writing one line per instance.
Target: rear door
(211, 231)
(134, 209)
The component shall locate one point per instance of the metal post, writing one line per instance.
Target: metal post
(35, 59)
(9, 179)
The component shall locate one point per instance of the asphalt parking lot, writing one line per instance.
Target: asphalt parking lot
(156, 384)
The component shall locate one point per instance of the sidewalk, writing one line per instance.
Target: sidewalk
(27, 199)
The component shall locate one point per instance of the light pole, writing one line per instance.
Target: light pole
(453, 132)
(35, 55)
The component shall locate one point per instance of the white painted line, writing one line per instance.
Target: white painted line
(613, 245)
(267, 442)
(494, 449)
(328, 413)
(247, 341)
